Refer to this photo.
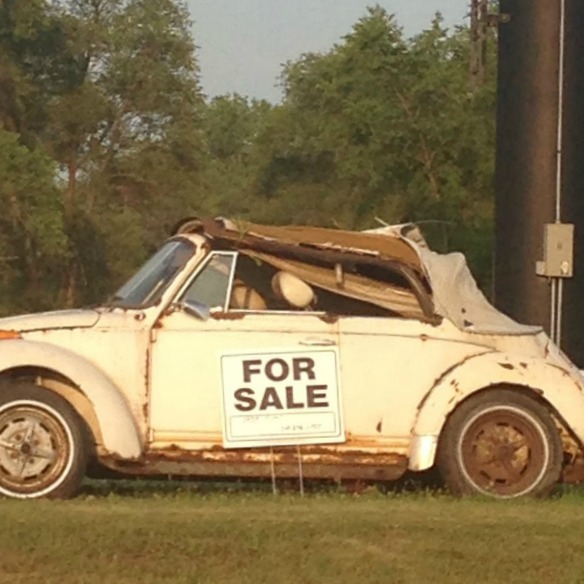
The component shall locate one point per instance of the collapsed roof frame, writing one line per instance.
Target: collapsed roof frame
(311, 246)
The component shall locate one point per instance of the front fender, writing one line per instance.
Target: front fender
(560, 387)
(118, 428)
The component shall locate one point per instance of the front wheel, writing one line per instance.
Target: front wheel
(43, 450)
(500, 443)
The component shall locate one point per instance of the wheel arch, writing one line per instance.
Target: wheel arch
(94, 396)
(554, 387)
(55, 382)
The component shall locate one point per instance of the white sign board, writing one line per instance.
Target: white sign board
(281, 398)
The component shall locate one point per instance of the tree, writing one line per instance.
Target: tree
(123, 127)
(32, 241)
(107, 141)
(232, 125)
(109, 90)
(384, 126)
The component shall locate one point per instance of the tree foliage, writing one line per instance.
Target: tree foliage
(114, 100)
(106, 141)
(384, 126)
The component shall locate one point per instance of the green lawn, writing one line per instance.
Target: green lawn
(177, 534)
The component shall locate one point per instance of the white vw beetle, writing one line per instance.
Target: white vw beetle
(241, 350)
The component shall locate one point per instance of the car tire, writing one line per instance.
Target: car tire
(500, 443)
(43, 444)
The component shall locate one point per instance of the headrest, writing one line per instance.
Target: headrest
(292, 289)
(245, 298)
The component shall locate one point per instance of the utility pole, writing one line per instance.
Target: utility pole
(478, 42)
(481, 19)
(539, 179)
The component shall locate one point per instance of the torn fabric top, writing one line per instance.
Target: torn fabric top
(457, 297)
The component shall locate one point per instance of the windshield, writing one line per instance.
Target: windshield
(149, 283)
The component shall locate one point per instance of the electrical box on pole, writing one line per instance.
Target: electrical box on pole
(558, 251)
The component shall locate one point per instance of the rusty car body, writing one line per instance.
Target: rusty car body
(242, 350)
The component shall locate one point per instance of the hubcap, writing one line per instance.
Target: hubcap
(34, 450)
(503, 452)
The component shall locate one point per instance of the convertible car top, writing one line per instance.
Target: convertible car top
(432, 285)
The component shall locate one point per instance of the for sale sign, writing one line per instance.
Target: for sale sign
(281, 398)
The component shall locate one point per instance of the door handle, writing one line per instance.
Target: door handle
(318, 342)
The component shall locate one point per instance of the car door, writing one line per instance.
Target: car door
(220, 376)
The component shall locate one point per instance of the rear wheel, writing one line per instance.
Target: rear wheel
(500, 443)
(43, 451)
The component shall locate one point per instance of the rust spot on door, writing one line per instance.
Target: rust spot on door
(228, 315)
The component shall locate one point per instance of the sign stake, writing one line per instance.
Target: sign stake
(300, 470)
(273, 472)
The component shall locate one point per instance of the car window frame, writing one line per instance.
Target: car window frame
(179, 296)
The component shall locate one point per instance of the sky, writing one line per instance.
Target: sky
(243, 43)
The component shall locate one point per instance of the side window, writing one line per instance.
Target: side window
(212, 284)
(361, 289)
(235, 281)
(252, 288)
(258, 286)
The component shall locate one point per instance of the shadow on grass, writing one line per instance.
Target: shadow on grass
(415, 483)
(165, 487)
(425, 484)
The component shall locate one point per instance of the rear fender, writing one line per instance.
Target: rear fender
(562, 389)
(117, 427)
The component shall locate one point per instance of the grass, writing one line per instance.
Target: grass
(183, 534)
